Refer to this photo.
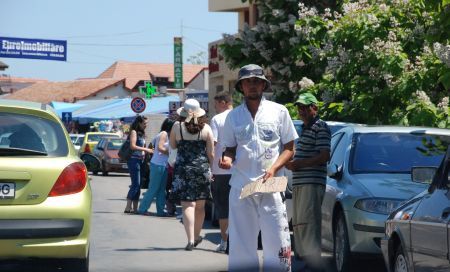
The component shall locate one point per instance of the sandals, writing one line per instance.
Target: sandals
(198, 241)
(189, 247)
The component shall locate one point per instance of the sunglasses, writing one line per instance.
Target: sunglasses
(303, 107)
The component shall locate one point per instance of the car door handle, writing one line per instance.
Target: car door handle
(445, 213)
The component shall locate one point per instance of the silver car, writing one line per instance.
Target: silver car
(418, 232)
(369, 175)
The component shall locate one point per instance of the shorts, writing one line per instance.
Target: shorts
(220, 189)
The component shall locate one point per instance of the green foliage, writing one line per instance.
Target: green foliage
(373, 61)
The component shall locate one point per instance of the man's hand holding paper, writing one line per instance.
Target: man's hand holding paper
(270, 185)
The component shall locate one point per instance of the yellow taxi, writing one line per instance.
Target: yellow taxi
(91, 139)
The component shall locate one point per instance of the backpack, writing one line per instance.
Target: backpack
(125, 151)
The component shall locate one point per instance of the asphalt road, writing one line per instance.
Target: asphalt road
(123, 242)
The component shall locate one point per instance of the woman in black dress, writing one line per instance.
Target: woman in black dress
(193, 138)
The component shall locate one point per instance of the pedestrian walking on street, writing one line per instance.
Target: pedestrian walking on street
(309, 180)
(158, 172)
(137, 146)
(259, 139)
(193, 139)
(220, 187)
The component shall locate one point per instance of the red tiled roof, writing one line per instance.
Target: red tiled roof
(66, 91)
(20, 79)
(133, 72)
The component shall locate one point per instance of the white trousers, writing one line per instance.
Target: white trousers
(247, 216)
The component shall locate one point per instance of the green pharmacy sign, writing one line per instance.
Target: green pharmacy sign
(178, 63)
(148, 89)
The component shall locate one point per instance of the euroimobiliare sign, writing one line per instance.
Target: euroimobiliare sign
(33, 49)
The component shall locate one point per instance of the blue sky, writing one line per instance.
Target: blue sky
(100, 32)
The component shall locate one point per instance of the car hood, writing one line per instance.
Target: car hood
(396, 186)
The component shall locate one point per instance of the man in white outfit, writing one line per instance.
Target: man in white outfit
(220, 187)
(259, 139)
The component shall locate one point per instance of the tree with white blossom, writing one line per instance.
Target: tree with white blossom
(372, 61)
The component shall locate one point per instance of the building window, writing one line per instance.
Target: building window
(162, 79)
(219, 88)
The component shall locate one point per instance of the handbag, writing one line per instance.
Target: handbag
(125, 151)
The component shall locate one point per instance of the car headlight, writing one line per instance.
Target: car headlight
(378, 205)
(113, 160)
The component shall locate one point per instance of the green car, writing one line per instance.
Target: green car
(45, 195)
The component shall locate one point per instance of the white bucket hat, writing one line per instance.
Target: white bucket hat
(191, 109)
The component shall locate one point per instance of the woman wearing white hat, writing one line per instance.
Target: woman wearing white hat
(193, 138)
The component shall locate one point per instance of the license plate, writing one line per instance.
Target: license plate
(124, 166)
(7, 190)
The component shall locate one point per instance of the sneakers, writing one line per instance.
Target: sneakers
(222, 247)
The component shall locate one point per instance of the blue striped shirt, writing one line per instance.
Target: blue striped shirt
(313, 139)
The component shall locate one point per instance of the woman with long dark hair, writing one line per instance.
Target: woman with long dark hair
(137, 146)
(193, 138)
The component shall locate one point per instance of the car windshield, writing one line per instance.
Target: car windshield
(115, 144)
(98, 137)
(76, 140)
(33, 134)
(396, 152)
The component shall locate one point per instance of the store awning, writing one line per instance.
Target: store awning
(120, 108)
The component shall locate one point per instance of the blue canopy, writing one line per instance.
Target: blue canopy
(61, 107)
(120, 108)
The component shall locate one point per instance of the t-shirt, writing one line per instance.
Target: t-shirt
(313, 139)
(217, 123)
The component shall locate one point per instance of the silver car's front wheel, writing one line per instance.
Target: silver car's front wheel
(341, 249)
(401, 264)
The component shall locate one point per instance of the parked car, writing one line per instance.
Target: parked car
(418, 232)
(334, 126)
(369, 175)
(77, 140)
(45, 196)
(91, 139)
(106, 151)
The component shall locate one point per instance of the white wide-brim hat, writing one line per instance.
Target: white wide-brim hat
(191, 109)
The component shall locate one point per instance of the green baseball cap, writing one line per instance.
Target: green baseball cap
(306, 99)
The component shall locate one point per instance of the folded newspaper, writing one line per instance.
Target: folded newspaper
(271, 185)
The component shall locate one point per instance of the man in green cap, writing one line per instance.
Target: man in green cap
(309, 179)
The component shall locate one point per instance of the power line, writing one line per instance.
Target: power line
(203, 29)
(197, 44)
(90, 54)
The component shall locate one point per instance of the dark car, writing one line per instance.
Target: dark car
(106, 152)
(417, 233)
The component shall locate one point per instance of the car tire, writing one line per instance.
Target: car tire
(341, 245)
(400, 263)
(95, 173)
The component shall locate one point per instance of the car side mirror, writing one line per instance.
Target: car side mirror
(336, 173)
(423, 174)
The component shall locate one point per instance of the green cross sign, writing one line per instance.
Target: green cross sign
(148, 89)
